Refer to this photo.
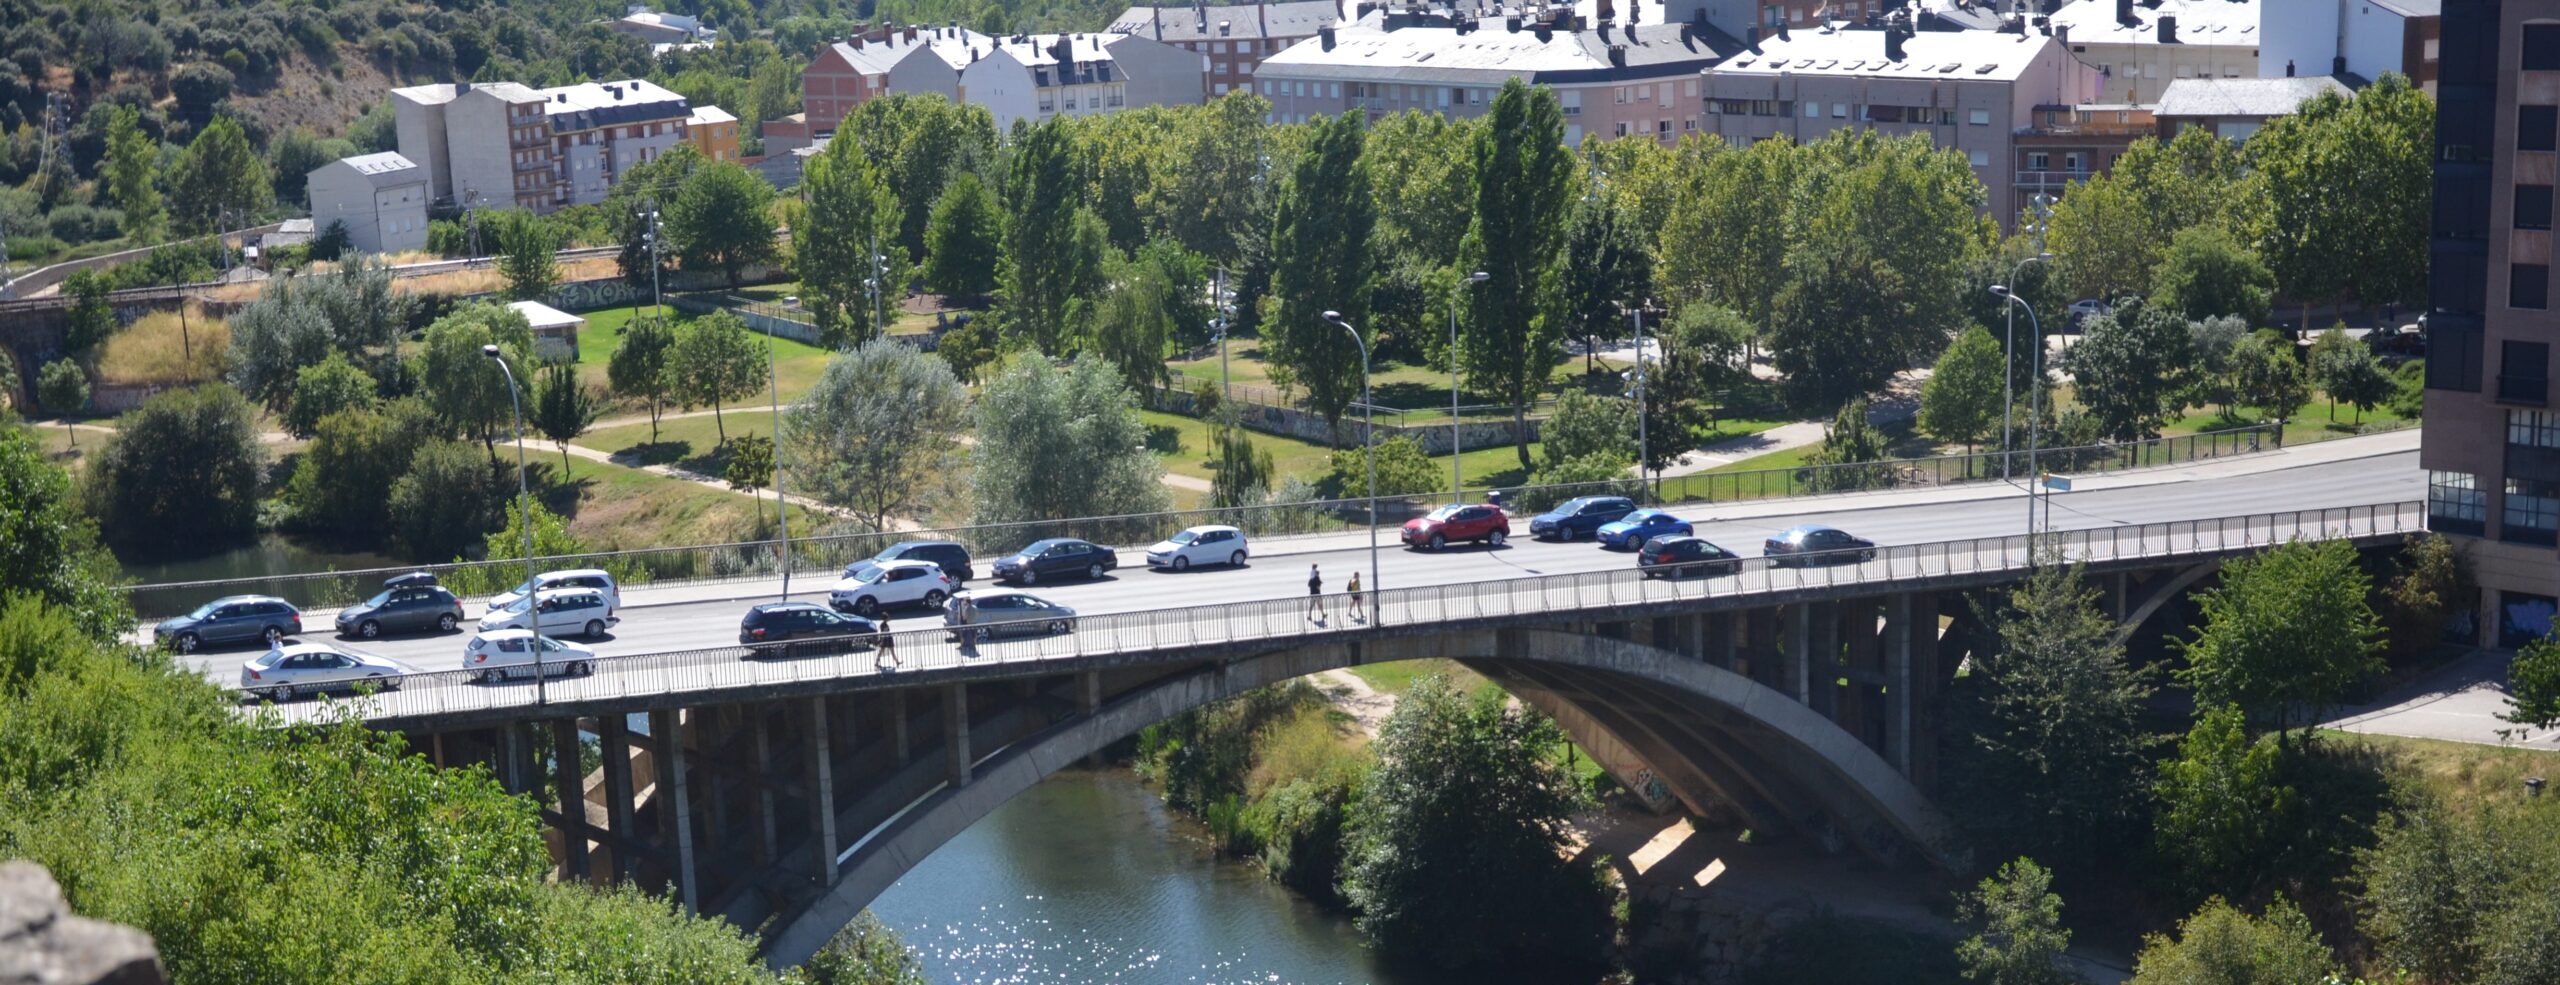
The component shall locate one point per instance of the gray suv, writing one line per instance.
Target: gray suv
(230, 619)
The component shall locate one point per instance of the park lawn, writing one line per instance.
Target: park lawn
(1190, 454)
(691, 443)
(2460, 775)
(1397, 677)
(797, 363)
(2311, 423)
(612, 507)
(902, 323)
(1421, 389)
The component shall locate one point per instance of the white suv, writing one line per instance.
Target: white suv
(1199, 545)
(499, 654)
(880, 585)
(563, 612)
(594, 578)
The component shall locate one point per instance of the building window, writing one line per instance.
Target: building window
(2535, 126)
(2456, 504)
(2075, 162)
(2039, 161)
(1622, 128)
(1978, 117)
(2529, 286)
(2524, 373)
(1839, 111)
(1979, 159)
(2542, 47)
(1812, 110)
(2533, 428)
(2532, 514)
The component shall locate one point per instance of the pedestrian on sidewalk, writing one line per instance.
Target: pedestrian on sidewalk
(886, 656)
(1353, 589)
(1315, 595)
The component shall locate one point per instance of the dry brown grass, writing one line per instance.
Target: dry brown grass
(167, 347)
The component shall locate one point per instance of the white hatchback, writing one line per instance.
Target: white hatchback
(595, 578)
(499, 654)
(289, 669)
(562, 611)
(878, 585)
(1199, 545)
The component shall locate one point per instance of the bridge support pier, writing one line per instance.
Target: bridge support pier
(666, 729)
(569, 781)
(955, 734)
(820, 783)
(1799, 653)
(1899, 630)
(613, 734)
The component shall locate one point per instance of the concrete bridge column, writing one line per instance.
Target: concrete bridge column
(666, 729)
(1718, 646)
(1898, 646)
(1798, 654)
(569, 781)
(955, 734)
(1759, 636)
(613, 734)
(898, 753)
(1822, 670)
(759, 719)
(819, 781)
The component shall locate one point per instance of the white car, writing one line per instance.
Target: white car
(1199, 545)
(562, 611)
(499, 654)
(290, 669)
(2085, 309)
(595, 578)
(876, 586)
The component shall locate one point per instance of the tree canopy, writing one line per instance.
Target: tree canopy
(882, 422)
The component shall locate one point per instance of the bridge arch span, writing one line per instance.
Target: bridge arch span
(1720, 736)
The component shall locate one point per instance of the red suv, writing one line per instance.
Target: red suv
(1458, 521)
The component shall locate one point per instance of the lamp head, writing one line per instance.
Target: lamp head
(2046, 257)
(1333, 316)
(1479, 277)
(2000, 290)
(490, 351)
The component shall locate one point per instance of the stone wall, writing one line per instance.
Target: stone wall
(41, 941)
(1306, 425)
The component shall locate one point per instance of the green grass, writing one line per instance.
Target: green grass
(1190, 453)
(1397, 677)
(1422, 390)
(691, 443)
(612, 507)
(2460, 775)
(901, 322)
(798, 364)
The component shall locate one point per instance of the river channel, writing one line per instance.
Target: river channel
(1088, 877)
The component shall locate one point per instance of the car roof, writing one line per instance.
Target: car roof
(574, 591)
(575, 573)
(906, 562)
(1207, 527)
(233, 599)
(1806, 528)
(981, 594)
(1050, 542)
(784, 606)
(1677, 539)
(919, 543)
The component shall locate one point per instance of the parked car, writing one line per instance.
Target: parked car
(1006, 613)
(889, 583)
(404, 606)
(1456, 522)
(1579, 517)
(1199, 545)
(2397, 344)
(562, 611)
(1683, 556)
(953, 558)
(289, 669)
(1816, 544)
(1639, 527)
(572, 578)
(781, 629)
(230, 619)
(1055, 557)
(499, 654)
(2083, 310)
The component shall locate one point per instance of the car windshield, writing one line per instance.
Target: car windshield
(1445, 512)
(204, 610)
(517, 605)
(1184, 537)
(871, 575)
(889, 554)
(377, 600)
(522, 588)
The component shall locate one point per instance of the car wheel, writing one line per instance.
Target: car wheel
(1028, 576)
(1438, 542)
(1867, 555)
(1059, 627)
(369, 629)
(188, 642)
(1093, 572)
(1635, 542)
(491, 676)
(595, 628)
(1497, 537)
(933, 599)
(273, 634)
(586, 668)
(446, 622)
(1236, 559)
(866, 607)
(1181, 563)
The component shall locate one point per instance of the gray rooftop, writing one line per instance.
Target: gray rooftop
(1952, 55)
(1398, 48)
(1295, 19)
(2244, 97)
(2200, 22)
(383, 170)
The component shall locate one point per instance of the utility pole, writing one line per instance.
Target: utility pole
(781, 503)
(1643, 445)
(1226, 318)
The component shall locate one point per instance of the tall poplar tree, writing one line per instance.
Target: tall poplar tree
(132, 159)
(1322, 261)
(1523, 178)
(218, 173)
(848, 212)
(1056, 257)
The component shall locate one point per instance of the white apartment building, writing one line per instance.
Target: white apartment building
(503, 144)
(1234, 39)
(2141, 47)
(381, 199)
(1614, 79)
(1038, 76)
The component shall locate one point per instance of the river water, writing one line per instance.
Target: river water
(1088, 877)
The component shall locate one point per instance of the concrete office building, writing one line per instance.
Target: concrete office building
(2142, 47)
(1232, 40)
(2492, 440)
(1614, 78)
(1974, 91)
(503, 144)
(381, 199)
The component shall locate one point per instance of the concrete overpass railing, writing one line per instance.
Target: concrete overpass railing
(662, 681)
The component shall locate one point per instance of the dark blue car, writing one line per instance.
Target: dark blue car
(1639, 527)
(1576, 518)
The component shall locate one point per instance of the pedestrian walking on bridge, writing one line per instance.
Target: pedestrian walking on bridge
(1315, 594)
(1353, 589)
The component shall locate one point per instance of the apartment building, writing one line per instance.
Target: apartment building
(846, 73)
(1038, 76)
(504, 144)
(713, 132)
(2360, 38)
(1614, 78)
(381, 199)
(2491, 446)
(1974, 91)
(1233, 40)
(2065, 145)
(2141, 47)
(2236, 108)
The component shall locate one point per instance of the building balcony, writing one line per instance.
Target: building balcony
(2052, 179)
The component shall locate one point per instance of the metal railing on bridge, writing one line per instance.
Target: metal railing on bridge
(822, 557)
(656, 675)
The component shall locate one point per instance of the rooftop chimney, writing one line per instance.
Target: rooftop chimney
(2288, 68)
(1893, 42)
(1608, 11)
(2338, 65)
(1511, 23)
(1325, 35)
(2062, 35)
(1618, 55)
(1545, 32)
(2168, 29)
(2124, 12)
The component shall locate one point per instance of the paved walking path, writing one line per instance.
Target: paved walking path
(1900, 399)
(2459, 702)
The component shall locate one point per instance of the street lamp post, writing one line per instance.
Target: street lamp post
(2035, 399)
(651, 239)
(1226, 319)
(1368, 444)
(781, 503)
(1457, 448)
(2008, 365)
(1643, 441)
(524, 500)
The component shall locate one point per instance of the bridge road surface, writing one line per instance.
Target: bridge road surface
(2257, 484)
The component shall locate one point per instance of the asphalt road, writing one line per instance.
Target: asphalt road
(2380, 479)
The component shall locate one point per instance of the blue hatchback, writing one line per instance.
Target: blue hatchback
(1576, 517)
(1641, 526)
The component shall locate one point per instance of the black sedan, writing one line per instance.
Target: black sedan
(1816, 544)
(402, 608)
(1057, 557)
(1680, 557)
(782, 629)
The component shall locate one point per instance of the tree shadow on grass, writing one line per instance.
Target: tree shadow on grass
(557, 493)
(653, 453)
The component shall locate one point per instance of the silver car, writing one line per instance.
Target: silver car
(1004, 613)
(291, 669)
